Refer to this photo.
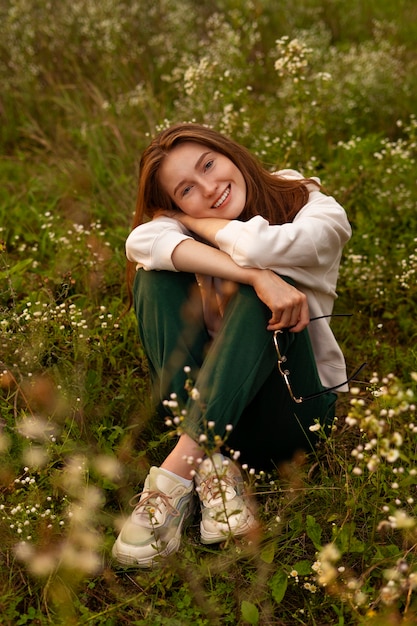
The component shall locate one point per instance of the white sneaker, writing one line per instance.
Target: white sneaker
(153, 530)
(225, 508)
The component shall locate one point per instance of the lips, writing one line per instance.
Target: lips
(222, 198)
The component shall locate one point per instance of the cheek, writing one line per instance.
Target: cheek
(188, 209)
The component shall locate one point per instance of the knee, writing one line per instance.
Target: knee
(157, 283)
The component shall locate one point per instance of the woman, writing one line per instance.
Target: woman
(227, 273)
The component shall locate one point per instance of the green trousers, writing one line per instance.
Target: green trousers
(236, 374)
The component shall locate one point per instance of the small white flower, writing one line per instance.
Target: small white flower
(350, 421)
(401, 519)
(314, 427)
(195, 394)
(392, 455)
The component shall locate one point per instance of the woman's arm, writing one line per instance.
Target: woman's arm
(163, 244)
(315, 237)
(204, 227)
(288, 306)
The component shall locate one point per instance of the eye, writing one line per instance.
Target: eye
(186, 190)
(209, 165)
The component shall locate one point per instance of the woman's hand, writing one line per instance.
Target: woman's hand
(288, 305)
(167, 213)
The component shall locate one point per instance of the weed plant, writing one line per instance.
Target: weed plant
(324, 86)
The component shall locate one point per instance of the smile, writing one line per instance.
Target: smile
(222, 198)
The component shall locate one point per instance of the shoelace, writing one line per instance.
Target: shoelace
(149, 501)
(215, 487)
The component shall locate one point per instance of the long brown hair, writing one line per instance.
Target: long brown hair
(277, 199)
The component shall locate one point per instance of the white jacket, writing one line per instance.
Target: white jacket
(308, 250)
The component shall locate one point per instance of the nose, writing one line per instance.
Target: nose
(208, 187)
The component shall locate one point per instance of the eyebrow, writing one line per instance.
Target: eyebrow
(196, 166)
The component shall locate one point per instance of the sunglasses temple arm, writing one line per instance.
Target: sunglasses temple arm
(321, 317)
(355, 373)
(328, 389)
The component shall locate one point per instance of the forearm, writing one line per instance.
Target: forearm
(200, 258)
(205, 228)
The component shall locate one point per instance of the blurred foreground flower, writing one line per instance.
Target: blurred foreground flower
(36, 428)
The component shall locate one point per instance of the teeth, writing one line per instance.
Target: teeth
(222, 198)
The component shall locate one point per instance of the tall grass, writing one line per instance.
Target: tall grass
(320, 85)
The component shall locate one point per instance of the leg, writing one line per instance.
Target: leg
(171, 328)
(236, 366)
(237, 377)
(172, 331)
(240, 384)
(272, 428)
(180, 462)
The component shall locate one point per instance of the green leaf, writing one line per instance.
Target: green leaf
(313, 530)
(17, 268)
(296, 523)
(347, 541)
(278, 585)
(250, 612)
(268, 553)
(303, 568)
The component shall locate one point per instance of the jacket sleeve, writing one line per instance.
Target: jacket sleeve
(151, 245)
(313, 241)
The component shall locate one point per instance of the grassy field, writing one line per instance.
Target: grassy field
(323, 86)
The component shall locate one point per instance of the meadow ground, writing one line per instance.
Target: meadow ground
(322, 86)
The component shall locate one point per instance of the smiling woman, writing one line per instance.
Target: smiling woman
(230, 256)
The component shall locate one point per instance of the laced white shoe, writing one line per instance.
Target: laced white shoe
(153, 530)
(225, 508)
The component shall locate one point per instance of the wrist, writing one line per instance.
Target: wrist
(254, 275)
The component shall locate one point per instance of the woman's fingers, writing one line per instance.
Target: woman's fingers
(293, 318)
(288, 305)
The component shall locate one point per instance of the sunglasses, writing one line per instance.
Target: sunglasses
(285, 373)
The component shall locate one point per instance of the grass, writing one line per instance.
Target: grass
(320, 86)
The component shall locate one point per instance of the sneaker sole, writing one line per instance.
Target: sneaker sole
(124, 553)
(208, 538)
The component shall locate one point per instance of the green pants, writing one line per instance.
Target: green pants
(236, 374)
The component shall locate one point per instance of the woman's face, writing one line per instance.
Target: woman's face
(203, 183)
